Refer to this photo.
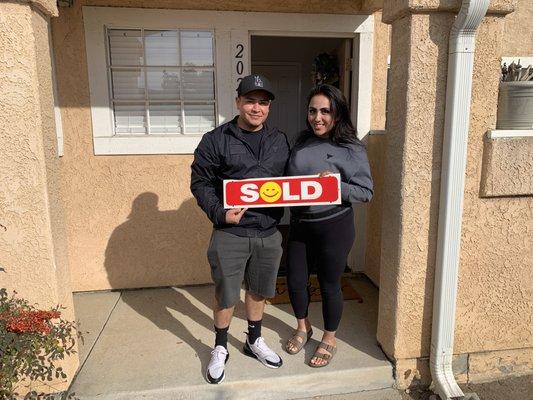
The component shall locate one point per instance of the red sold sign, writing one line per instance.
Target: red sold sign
(283, 191)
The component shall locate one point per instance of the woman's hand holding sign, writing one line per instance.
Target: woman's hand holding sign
(234, 215)
(324, 173)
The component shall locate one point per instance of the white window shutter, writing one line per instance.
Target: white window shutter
(163, 82)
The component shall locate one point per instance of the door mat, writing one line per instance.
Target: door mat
(282, 293)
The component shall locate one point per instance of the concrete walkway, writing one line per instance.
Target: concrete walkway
(156, 343)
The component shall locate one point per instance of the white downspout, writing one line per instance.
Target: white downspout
(457, 120)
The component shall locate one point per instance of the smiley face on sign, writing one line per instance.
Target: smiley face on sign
(270, 192)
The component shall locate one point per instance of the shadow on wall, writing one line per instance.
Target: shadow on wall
(157, 248)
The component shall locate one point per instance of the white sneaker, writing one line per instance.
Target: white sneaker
(215, 369)
(263, 353)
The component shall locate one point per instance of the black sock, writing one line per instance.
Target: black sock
(254, 330)
(221, 338)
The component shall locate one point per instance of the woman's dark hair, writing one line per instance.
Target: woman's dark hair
(343, 130)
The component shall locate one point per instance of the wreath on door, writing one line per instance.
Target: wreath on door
(325, 69)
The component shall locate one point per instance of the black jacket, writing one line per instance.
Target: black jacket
(224, 154)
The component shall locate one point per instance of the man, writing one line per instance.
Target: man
(245, 244)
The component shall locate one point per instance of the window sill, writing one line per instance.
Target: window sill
(509, 133)
(145, 145)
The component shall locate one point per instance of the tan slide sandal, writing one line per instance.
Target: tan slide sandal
(297, 341)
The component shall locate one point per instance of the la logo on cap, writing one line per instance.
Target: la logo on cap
(258, 81)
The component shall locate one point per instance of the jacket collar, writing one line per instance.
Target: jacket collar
(237, 132)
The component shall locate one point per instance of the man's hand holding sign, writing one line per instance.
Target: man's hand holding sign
(280, 192)
(234, 215)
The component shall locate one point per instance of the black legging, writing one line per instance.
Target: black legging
(328, 242)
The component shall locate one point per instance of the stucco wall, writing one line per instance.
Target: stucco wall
(376, 156)
(26, 243)
(47, 7)
(518, 34)
(30, 211)
(52, 162)
(495, 289)
(394, 9)
(376, 147)
(131, 220)
(495, 298)
(379, 75)
(412, 170)
(294, 6)
(518, 40)
(506, 168)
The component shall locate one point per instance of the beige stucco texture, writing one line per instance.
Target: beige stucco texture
(495, 288)
(495, 298)
(379, 75)
(47, 7)
(27, 248)
(293, 6)
(507, 167)
(376, 157)
(412, 171)
(394, 9)
(131, 220)
(518, 35)
(376, 147)
(31, 238)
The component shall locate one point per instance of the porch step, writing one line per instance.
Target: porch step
(283, 387)
(156, 343)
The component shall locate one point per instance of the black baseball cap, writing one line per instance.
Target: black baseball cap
(255, 82)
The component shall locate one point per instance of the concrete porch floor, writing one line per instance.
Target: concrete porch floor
(156, 343)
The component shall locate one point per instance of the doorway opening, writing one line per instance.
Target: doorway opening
(289, 63)
(293, 65)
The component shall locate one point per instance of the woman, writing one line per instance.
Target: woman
(324, 233)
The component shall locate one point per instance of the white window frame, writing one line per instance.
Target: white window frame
(232, 61)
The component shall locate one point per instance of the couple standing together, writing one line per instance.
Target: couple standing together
(246, 245)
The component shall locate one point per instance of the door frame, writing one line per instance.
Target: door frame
(362, 49)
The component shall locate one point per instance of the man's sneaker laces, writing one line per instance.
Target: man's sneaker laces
(263, 353)
(215, 370)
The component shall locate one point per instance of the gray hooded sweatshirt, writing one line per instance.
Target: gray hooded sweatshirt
(314, 155)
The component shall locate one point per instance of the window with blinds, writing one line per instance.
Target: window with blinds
(161, 82)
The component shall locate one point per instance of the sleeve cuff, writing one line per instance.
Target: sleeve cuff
(220, 216)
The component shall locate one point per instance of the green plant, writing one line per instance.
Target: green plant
(31, 341)
(325, 69)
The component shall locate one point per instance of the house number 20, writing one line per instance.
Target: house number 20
(239, 66)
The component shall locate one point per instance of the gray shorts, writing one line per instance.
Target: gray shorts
(235, 259)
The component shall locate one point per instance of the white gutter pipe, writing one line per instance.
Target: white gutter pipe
(456, 124)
